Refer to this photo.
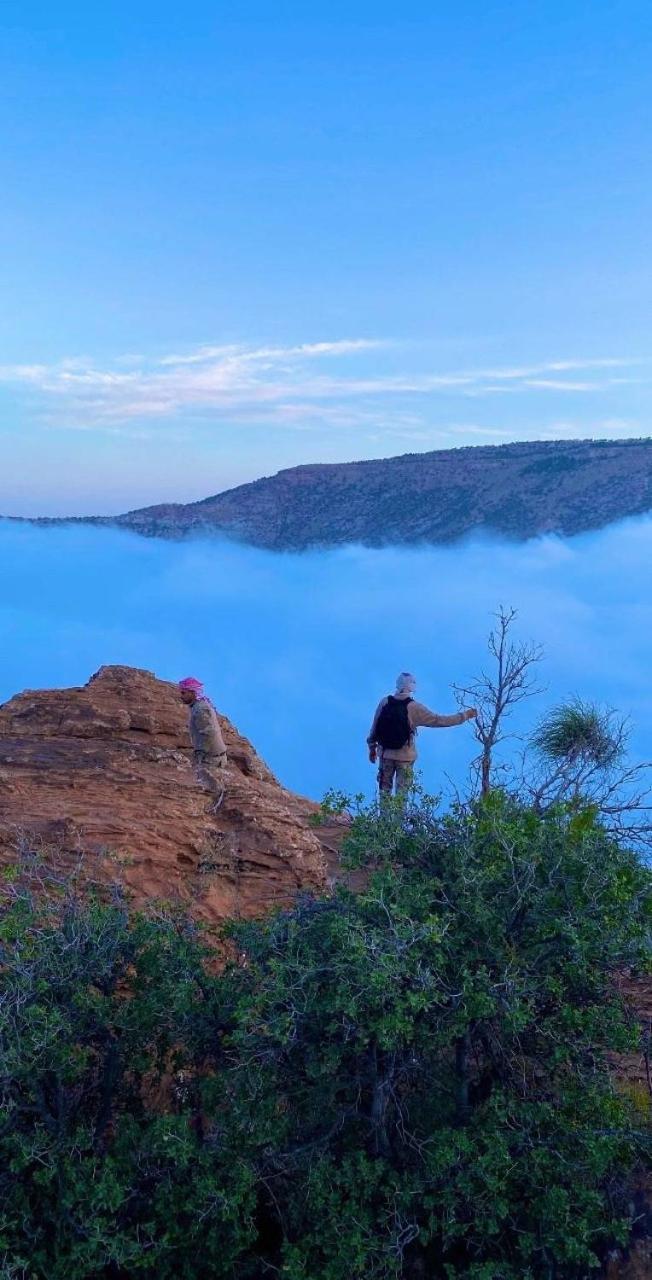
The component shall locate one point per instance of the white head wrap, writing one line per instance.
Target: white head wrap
(405, 683)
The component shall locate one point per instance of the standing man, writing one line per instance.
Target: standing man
(392, 737)
(206, 737)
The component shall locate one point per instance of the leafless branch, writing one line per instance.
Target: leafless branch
(497, 691)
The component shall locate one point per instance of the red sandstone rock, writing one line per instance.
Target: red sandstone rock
(636, 1264)
(107, 771)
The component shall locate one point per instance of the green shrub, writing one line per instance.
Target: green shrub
(94, 1180)
(414, 1081)
(427, 1061)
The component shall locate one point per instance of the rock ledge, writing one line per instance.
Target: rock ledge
(106, 771)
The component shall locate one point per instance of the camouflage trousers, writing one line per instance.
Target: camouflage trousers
(395, 774)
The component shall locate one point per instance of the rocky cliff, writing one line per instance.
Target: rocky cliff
(106, 772)
(516, 490)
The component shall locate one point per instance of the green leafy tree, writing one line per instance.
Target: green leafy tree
(413, 1081)
(420, 1073)
(98, 1176)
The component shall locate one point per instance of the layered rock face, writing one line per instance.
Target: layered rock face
(106, 772)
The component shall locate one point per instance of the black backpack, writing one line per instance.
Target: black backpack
(393, 726)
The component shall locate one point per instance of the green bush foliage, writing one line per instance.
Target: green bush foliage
(96, 1178)
(412, 1081)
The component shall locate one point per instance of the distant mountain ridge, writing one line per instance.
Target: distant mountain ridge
(515, 490)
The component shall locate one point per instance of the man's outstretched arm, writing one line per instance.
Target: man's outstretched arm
(422, 718)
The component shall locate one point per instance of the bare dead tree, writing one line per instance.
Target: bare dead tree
(496, 692)
(577, 756)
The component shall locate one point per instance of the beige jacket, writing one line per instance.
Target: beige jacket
(419, 717)
(205, 731)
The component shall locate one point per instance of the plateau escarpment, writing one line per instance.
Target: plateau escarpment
(104, 773)
(515, 490)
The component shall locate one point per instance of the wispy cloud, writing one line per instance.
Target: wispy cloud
(288, 385)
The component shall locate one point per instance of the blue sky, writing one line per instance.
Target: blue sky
(236, 237)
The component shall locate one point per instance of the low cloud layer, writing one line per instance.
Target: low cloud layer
(298, 649)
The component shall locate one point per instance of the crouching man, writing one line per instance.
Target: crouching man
(206, 738)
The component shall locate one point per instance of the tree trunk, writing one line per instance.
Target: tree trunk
(462, 1052)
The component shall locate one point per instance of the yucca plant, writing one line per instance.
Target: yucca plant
(577, 729)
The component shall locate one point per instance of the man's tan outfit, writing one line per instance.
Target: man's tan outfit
(209, 746)
(396, 764)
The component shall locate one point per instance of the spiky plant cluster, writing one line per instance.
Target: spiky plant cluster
(577, 729)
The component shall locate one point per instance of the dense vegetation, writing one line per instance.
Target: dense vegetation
(412, 1081)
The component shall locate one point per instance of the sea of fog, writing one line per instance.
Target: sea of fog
(297, 649)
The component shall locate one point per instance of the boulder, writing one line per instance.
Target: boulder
(105, 774)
